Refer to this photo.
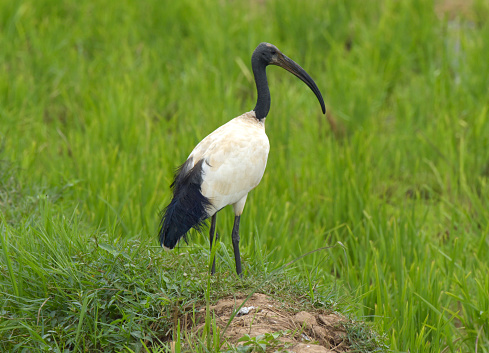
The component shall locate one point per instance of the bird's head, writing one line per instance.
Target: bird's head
(268, 54)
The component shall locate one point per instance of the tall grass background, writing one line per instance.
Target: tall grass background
(101, 100)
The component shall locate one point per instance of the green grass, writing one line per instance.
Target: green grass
(69, 289)
(100, 101)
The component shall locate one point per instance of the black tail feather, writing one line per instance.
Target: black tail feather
(187, 209)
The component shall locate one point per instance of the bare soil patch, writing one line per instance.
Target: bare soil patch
(455, 8)
(315, 331)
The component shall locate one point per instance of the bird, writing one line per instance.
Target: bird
(227, 164)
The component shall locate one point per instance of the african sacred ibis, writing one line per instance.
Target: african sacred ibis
(226, 165)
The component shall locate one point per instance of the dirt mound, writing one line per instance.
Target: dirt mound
(276, 326)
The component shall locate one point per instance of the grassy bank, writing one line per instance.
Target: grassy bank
(100, 101)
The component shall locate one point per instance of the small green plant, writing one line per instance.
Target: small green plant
(262, 343)
(363, 338)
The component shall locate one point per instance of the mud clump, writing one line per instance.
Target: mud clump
(315, 331)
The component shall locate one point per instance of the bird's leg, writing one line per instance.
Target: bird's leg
(237, 257)
(211, 239)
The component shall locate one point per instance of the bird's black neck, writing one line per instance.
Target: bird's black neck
(263, 101)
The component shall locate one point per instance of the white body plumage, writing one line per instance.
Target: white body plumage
(235, 157)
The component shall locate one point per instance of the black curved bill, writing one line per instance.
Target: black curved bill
(294, 68)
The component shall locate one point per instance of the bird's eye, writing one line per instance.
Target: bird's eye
(273, 52)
